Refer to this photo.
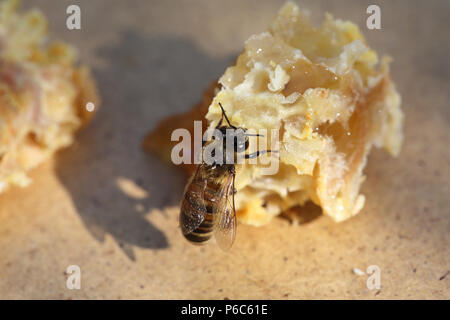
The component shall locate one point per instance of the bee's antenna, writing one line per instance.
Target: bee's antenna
(225, 115)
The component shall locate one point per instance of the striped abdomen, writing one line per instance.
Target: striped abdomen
(203, 233)
(199, 201)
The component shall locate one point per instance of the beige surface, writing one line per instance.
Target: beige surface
(154, 59)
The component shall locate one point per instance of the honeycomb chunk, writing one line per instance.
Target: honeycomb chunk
(42, 94)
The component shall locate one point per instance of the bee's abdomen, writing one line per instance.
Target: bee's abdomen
(192, 202)
(204, 231)
(199, 197)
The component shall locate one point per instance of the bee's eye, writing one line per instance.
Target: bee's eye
(240, 147)
(241, 143)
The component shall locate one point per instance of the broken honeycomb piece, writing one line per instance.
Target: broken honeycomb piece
(42, 94)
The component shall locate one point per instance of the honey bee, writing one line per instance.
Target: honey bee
(207, 206)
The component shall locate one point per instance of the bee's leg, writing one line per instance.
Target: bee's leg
(258, 153)
(253, 134)
(234, 191)
(233, 172)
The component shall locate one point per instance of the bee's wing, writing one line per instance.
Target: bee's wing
(193, 204)
(225, 215)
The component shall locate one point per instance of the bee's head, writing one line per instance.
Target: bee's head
(236, 136)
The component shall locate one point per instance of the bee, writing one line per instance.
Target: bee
(207, 206)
